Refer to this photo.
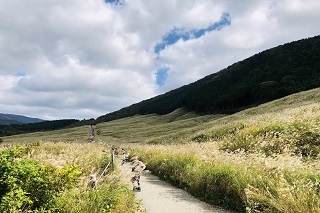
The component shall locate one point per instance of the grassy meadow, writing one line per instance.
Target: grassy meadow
(263, 159)
(54, 176)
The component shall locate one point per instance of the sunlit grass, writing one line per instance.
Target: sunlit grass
(261, 159)
(90, 158)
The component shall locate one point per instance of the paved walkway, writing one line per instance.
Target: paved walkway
(160, 197)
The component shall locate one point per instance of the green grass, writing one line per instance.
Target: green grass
(261, 159)
(61, 171)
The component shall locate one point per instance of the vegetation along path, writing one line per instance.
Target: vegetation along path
(160, 197)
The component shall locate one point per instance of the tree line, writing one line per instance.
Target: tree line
(14, 129)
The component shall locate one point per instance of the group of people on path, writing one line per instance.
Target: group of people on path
(138, 167)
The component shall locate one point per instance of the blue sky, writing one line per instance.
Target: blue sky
(161, 76)
(21, 74)
(116, 2)
(180, 33)
(83, 59)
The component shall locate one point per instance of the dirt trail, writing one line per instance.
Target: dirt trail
(160, 197)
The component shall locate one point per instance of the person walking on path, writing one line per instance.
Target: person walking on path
(138, 167)
(125, 156)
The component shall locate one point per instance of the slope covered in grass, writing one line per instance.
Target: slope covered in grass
(262, 159)
(263, 77)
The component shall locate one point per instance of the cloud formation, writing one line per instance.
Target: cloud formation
(83, 59)
(176, 34)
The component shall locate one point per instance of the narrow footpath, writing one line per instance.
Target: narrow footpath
(160, 197)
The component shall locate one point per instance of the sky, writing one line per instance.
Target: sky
(72, 59)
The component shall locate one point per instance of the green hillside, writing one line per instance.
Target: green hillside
(266, 76)
(181, 126)
(262, 159)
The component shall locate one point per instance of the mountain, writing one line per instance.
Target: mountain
(280, 71)
(272, 74)
(15, 129)
(6, 119)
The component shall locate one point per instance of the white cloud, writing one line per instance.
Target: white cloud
(83, 59)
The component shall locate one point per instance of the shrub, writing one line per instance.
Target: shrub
(173, 168)
(274, 130)
(110, 197)
(239, 143)
(308, 144)
(217, 134)
(219, 184)
(201, 138)
(227, 131)
(26, 184)
(284, 191)
(272, 147)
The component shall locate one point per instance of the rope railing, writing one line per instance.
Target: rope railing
(93, 177)
(105, 169)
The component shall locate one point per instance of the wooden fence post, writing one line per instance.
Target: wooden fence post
(112, 160)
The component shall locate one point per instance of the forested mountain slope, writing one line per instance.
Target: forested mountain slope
(266, 76)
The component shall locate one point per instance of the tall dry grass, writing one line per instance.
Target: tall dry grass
(263, 159)
(111, 195)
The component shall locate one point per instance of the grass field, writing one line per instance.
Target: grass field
(263, 159)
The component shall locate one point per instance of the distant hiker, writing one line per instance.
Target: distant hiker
(90, 139)
(125, 156)
(91, 136)
(91, 130)
(138, 167)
